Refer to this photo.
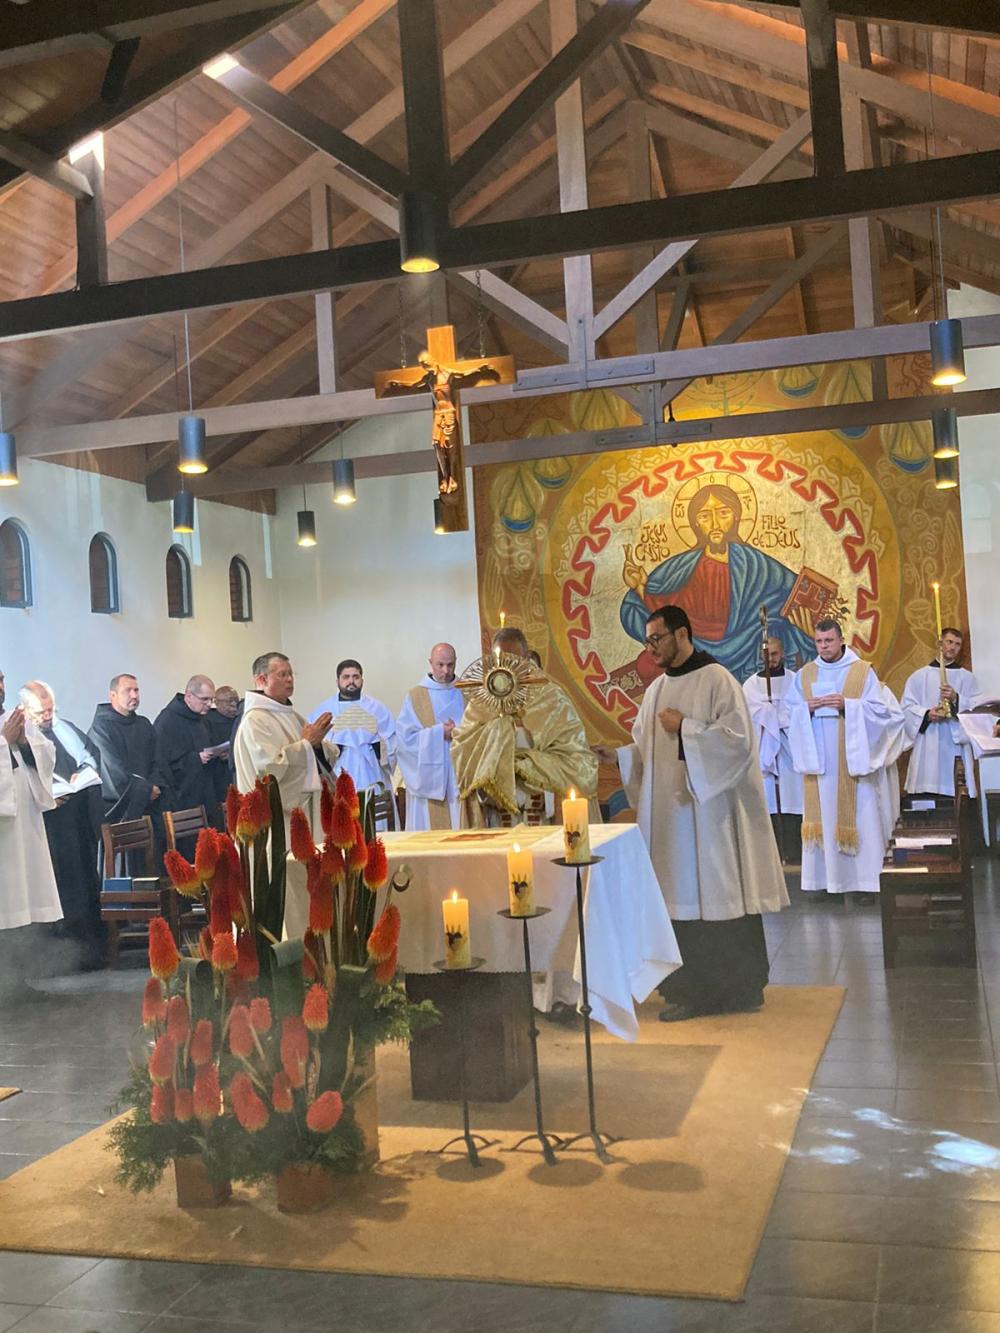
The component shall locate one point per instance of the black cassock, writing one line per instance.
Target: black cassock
(72, 831)
(221, 728)
(130, 769)
(182, 735)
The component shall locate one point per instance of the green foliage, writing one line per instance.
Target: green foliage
(145, 1150)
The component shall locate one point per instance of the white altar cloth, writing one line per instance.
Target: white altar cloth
(978, 731)
(630, 942)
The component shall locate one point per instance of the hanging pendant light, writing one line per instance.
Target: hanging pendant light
(307, 524)
(946, 473)
(439, 527)
(344, 492)
(947, 352)
(8, 459)
(945, 422)
(183, 512)
(191, 446)
(418, 248)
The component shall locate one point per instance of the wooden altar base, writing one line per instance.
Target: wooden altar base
(498, 1040)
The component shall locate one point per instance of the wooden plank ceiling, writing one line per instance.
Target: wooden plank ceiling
(714, 84)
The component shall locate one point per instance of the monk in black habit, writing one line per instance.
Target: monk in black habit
(186, 742)
(135, 781)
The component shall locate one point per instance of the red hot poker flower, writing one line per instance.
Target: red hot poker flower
(377, 869)
(346, 790)
(325, 1112)
(161, 1062)
(357, 856)
(332, 862)
(301, 838)
(321, 906)
(326, 809)
(183, 875)
(200, 1049)
(223, 952)
(385, 972)
(384, 938)
(249, 1108)
(206, 853)
(241, 1039)
(154, 1006)
(183, 1104)
(341, 826)
(260, 805)
(247, 966)
(233, 802)
(161, 1105)
(260, 1015)
(207, 1094)
(281, 1094)
(315, 1009)
(220, 920)
(294, 1050)
(163, 955)
(178, 1020)
(229, 856)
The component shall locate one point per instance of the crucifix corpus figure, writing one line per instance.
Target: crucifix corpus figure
(439, 371)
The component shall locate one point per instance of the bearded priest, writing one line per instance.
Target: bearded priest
(844, 729)
(693, 777)
(431, 712)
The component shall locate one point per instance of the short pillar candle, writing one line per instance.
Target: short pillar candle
(576, 828)
(520, 881)
(457, 949)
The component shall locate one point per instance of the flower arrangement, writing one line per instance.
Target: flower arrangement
(258, 1051)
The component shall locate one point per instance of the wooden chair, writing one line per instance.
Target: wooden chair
(127, 914)
(927, 890)
(186, 915)
(181, 824)
(385, 808)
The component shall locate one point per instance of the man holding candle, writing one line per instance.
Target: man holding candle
(431, 712)
(693, 778)
(932, 728)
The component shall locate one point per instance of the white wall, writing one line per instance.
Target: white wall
(379, 586)
(61, 640)
(979, 481)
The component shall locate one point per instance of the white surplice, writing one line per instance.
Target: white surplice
(936, 745)
(873, 739)
(357, 725)
(703, 816)
(770, 719)
(27, 883)
(424, 754)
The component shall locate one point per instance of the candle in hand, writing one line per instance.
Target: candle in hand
(937, 605)
(520, 882)
(576, 829)
(457, 952)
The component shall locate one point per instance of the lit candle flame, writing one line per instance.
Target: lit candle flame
(572, 793)
(516, 847)
(454, 895)
(935, 585)
(503, 619)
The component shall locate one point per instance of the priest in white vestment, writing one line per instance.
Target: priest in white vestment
(273, 739)
(27, 882)
(765, 693)
(362, 728)
(693, 778)
(430, 713)
(936, 736)
(845, 728)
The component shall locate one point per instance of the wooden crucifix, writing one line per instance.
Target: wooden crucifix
(439, 372)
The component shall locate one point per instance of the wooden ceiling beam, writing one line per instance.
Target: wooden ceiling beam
(974, 18)
(24, 155)
(825, 108)
(571, 162)
(717, 67)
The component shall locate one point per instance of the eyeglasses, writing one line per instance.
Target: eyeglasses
(653, 639)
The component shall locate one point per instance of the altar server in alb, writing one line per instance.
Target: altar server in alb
(934, 732)
(692, 776)
(362, 728)
(844, 729)
(765, 694)
(27, 884)
(431, 712)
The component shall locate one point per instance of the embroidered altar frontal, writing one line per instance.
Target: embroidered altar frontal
(578, 551)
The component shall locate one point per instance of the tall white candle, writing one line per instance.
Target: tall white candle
(457, 949)
(520, 881)
(576, 828)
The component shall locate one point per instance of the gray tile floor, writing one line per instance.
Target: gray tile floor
(887, 1219)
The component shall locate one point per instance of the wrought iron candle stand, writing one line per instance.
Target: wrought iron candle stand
(467, 1137)
(546, 1140)
(599, 1139)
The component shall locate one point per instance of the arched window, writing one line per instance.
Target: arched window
(103, 575)
(240, 596)
(178, 584)
(15, 565)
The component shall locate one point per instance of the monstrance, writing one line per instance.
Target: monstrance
(501, 681)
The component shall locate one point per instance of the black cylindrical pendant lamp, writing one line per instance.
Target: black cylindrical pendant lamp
(191, 446)
(343, 481)
(945, 433)
(947, 352)
(183, 512)
(8, 459)
(307, 527)
(946, 473)
(439, 525)
(418, 246)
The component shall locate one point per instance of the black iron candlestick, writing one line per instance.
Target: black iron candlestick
(467, 1137)
(597, 1138)
(546, 1140)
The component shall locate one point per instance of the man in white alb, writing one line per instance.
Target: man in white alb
(430, 713)
(935, 734)
(362, 728)
(765, 693)
(844, 728)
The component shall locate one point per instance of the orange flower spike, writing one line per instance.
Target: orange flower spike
(315, 1009)
(233, 802)
(321, 907)
(220, 920)
(385, 971)
(281, 1094)
(247, 965)
(161, 1105)
(326, 799)
(161, 1062)
(250, 1110)
(332, 862)
(154, 1006)
(341, 826)
(345, 789)
(241, 1036)
(178, 1020)
(183, 1105)
(202, 1043)
(260, 805)
(377, 870)
(183, 876)
(325, 1112)
(223, 952)
(294, 1049)
(357, 857)
(206, 853)
(207, 1094)
(384, 939)
(261, 1019)
(301, 838)
(246, 831)
(163, 955)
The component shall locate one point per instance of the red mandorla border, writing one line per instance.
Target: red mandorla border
(839, 518)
